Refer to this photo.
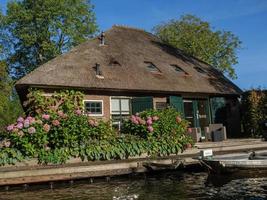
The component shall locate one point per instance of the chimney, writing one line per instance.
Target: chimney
(102, 39)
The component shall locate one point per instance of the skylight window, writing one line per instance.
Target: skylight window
(177, 68)
(200, 70)
(151, 67)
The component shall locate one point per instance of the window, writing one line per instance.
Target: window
(200, 70)
(120, 110)
(151, 67)
(120, 106)
(93, 107)
(177, 68)
(161, 105)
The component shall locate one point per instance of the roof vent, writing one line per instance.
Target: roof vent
(102, 39)
(99, 73)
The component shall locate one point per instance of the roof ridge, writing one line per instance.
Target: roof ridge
(129, 27)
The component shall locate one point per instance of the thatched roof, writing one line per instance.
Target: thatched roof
(122, 63)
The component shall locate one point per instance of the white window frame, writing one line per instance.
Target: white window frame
(95, 100)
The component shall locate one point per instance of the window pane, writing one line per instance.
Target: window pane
(115, 105)
(125, 105)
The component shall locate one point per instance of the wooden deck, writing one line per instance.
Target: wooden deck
(30, 172)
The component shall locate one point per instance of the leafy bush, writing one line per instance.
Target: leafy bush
(61, 131)
(254, 112)
(164, 130)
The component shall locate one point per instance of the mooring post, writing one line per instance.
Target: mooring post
(91, 180)
(25, 186)
(107, 178)
(71, 182)
(51, 185)
(6, 188)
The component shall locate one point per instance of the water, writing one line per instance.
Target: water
(161, 186)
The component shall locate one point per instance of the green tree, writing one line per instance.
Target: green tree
(35, 31)
(197, 38)
(10, 107)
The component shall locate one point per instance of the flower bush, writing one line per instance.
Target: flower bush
(164, 130)
(61, 131)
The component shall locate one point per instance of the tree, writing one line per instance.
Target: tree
(10, 107)
(35, 31)
(196, 38)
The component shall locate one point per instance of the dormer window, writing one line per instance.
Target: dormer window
(114, 62)
(200, 70)
(178, 69)
(151, 67)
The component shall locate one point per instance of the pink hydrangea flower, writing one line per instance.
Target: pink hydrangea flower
(150, 129)
(134, 119)
(31, 130)
(149, 122)
(55, 122)
(60, 113)
(149, 118)
(26, 123)
(155, 118)
(20, 120)
(78, 112)
(178, 119)
(46, 128)
(19, 125)
(31, 119)
(46, 116)
(10, 127)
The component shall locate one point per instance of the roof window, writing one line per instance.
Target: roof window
(200, 70)
(177, 68)
(151, 67)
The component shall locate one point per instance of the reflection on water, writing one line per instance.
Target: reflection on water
(167, 185)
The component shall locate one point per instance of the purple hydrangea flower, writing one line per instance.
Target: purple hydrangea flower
(10, 127)
(20, 125)
(26, 123)
(20, 120)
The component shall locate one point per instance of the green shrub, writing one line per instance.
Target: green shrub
(254, 112)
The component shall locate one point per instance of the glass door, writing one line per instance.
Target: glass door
(196, 111)
(202, 113)
(189, 112)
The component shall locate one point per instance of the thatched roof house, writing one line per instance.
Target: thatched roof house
(131, 63)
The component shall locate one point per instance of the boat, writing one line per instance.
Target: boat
(230, 163)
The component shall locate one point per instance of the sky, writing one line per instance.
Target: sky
(247, 19)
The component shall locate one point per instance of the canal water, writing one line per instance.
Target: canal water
(160, 186)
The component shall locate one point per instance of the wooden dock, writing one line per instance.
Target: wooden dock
(30, 172)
